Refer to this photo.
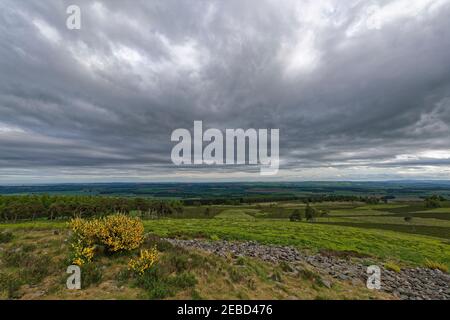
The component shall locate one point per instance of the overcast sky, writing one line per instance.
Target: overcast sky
(360, 89)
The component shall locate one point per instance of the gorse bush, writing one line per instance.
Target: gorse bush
(85, 237)
(120, 232)
(163, 274)
(115, 233)
(145, 261)
(86, 231)
(82, 254)
(83, 241)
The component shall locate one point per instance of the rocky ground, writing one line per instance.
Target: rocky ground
(408, 284)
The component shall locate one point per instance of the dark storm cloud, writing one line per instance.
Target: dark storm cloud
(358, 89)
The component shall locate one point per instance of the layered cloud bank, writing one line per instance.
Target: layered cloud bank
(358, 89)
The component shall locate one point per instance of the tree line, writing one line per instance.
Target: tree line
(277, 198)
(31, 207)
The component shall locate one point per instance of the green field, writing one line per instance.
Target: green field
(379, 231)
(383, 244)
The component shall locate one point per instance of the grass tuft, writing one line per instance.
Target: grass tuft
(10, 285)
(91, 274)
(392, 266)
(6, 237)
(436, 265)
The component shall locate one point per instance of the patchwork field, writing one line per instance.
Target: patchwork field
(385, 244)
(374, 233)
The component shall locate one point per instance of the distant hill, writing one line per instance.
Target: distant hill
(234, 190)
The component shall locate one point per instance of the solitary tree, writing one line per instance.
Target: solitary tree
(433, 202)
(310, 213)
(295, 216)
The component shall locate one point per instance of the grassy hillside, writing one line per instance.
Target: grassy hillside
(379, 243)
(34, 262)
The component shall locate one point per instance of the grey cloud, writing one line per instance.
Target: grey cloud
(344, 89)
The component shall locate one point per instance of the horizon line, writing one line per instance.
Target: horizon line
(217, 182)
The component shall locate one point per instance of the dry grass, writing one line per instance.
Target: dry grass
(392, 266)
(184, 275)
(436, 265)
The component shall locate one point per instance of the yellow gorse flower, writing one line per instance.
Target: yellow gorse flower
(116, 233)
(82, 254)
(121, 232)
(145, 260)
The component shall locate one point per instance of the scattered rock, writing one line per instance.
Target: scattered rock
(326, 283)
(411, 284)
